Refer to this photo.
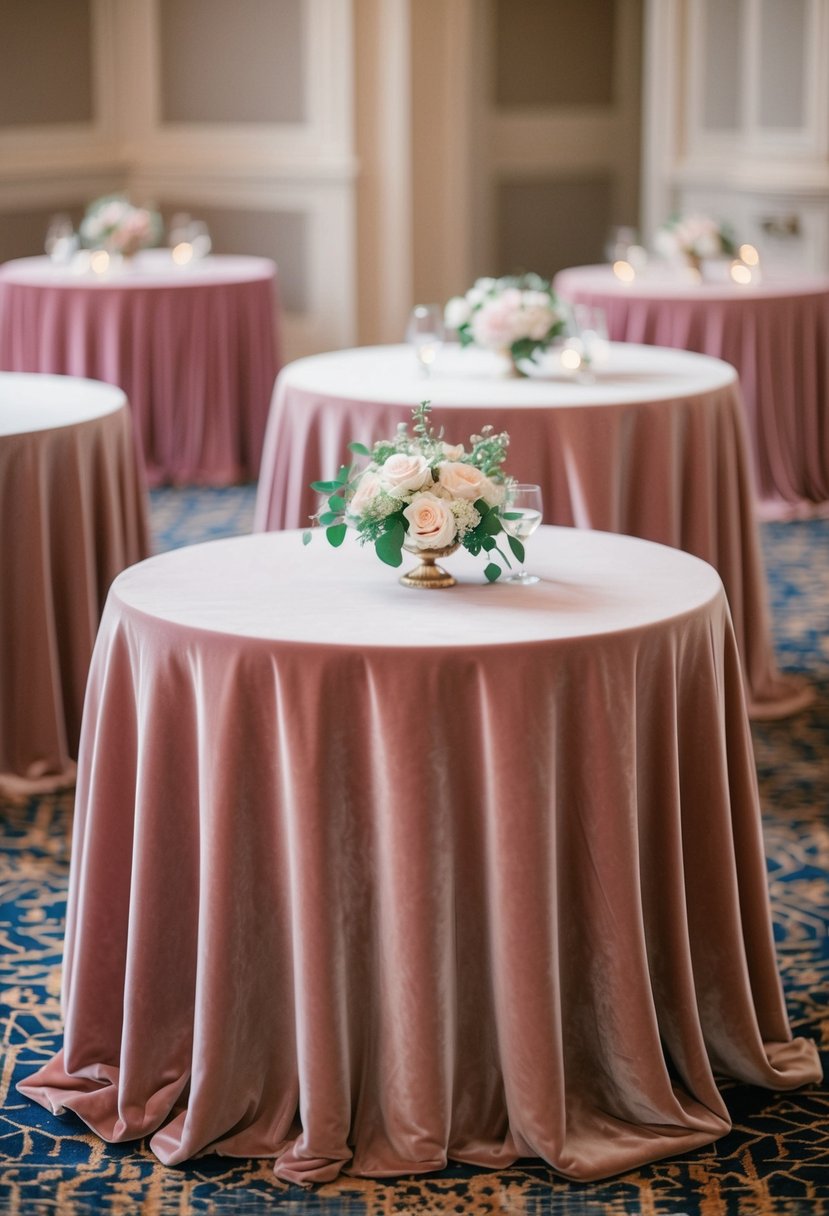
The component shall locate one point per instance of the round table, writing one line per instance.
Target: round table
(776, 334)
(192, 346)
(655, 448)
(368, 878)
(73, 515)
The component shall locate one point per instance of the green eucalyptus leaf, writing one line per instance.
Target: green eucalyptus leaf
(336, 503)
(516, 546)
(359, 449)
(492, 572)
(329, 517)
(389, 546)
(492, 524)
(306, 537)
(488, 543)
(336, 534)
(326, 487)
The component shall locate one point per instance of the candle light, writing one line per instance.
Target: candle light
(99, 261)
(624, 271)
(741, 273)
(182, 253)
(749, 255)
(571, 358)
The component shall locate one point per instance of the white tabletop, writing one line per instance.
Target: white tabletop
(30, 401)
(471, 377)
(657, 281)
(151, 268)
(271, 586)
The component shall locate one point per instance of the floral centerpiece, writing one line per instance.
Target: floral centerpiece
(694, 238)
(516, 315)
(419, 493)
(114, 224)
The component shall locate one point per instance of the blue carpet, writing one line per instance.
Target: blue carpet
(774, 1161)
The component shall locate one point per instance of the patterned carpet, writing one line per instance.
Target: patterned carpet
(774, 1161)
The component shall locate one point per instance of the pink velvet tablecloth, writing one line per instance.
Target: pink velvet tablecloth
(655, 448)
(72, 516)
(366, 878)
(192, 346)
(776, 334)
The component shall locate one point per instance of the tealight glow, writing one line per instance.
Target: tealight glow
(99, 261)
(182, 253)
(740, 273)
(749, 255)
(571, 359)
(624, 271)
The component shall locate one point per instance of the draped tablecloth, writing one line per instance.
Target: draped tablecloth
(655, 448)
(776, 334)
(369, 878)
(73, 514)
(192, 346)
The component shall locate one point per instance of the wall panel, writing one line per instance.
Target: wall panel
(46, 73)
(281, 235)
(546, 224)
(554, 53)
(255, 61)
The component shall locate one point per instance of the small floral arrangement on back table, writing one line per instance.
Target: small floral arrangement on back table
(694, 237)
(517, 315)
(421, 493)
(114, 224)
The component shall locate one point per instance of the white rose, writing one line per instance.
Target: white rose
(457, 312)
(431, 522)
(368, 487)
(463, 480)
(666, 243)
(404, 472)
(708, 245)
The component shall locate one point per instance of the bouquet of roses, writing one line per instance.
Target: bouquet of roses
(518, 315)
(694, 237)
(114, 224)
(424, 494)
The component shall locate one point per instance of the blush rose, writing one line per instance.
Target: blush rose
(431, 522)
(403, 472)
(465, 481)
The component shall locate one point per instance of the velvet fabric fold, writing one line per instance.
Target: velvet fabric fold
(73, 515)
(193, 347)
(656, 448)
(776, 334)
(470, 875)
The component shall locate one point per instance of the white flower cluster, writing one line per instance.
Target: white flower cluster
(496, 313)
(116, 225)
(439, 497)
(695, 235)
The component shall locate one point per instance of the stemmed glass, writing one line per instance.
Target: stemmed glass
(587, 346)
(425, 334)
(61, 241)
(523, 514)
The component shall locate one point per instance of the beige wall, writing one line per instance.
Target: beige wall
(554, 52)
(254, 61)
(45, 62)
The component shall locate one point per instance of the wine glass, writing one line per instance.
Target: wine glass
(61, 241)
(591, 327)
(424, 334)
(523, 514)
